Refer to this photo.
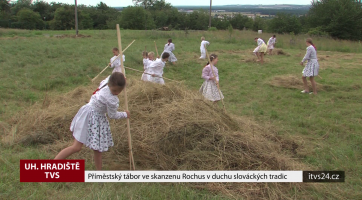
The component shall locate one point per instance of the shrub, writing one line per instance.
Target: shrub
(317, 32)
(212, 29)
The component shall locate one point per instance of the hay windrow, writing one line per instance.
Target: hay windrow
(172, 128)
(294, 82)
(280, 52)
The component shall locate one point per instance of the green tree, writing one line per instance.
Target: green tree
(133, 18)
(240, 22)
(20, 4)
(29, 19)
(285, 23)
(5, 13)
(198, 20)
(340, 18)
(5, 6)
(64, 18)
(259, 24)
(101, 14)
(43, 8)
(86, 21)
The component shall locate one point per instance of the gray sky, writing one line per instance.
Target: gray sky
(123, 3)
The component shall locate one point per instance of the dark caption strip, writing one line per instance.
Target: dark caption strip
(323, 176)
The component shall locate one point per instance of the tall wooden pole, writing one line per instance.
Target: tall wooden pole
(76, 18)
(210, 14)
(156, 48)
(131, 161)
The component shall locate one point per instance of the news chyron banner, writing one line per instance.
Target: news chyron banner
(74, 171)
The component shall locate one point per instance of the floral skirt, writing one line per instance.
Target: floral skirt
(311, 69)
(172, 57)
(92, 129)
(210, 91)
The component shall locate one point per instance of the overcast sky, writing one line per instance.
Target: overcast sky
(124, 3)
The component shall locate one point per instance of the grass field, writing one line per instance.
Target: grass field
(35, 64)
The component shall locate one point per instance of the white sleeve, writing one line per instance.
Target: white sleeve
(152, 64)
(307, 55)
(110, 61)
(112, 106)
(208, 43)
(260, 42)
(115, 63)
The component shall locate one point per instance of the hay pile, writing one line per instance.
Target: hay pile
(172, 129)
(281, 52)
(72, 36)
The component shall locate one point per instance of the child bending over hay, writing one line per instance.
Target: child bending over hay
(156, 69)
(147, 61)
(311, 68)
(209, 88)
(90, 125)
(260, 50)
(116, 64)
(169, 47)
(203, 46)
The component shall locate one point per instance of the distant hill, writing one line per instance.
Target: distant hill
(263, 9)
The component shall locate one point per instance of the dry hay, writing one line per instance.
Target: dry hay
(295, 82)
(281, 52)
(172, 128)
(71, 36)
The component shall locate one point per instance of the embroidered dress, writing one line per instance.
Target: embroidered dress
(271, 43)
(312, 67)
(90, 125)
(202, 48)
(209, 88)
(117, 64)
(169, 48)
(262, 48)
(156, 67)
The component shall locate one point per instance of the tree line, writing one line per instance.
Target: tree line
(341, 19)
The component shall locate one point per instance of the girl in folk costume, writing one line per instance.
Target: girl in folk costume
(90, 125)
(116, 64)
(156, 69)
(311, 68)
(209, 88)
(271, 44)
(169, 47)
(260, 50)
(146, 63)
(203, 46)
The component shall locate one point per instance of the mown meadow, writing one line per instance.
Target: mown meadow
(327, 127)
